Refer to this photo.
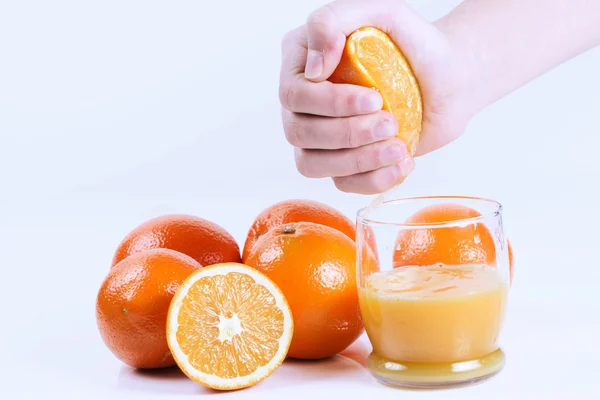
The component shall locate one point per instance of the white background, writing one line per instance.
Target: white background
(113, 112)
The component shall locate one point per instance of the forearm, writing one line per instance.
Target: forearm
(506, 43)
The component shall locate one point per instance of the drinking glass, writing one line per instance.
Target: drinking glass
(433, 281)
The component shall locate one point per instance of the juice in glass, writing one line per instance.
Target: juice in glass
(432, 325)
(432, 318)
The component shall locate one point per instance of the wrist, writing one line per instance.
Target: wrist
(470, 82)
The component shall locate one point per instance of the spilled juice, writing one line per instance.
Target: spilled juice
(434, 323)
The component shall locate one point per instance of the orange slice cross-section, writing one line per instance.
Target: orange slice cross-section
(372, 59)
(229, 326)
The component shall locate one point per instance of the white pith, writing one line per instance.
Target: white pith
(228, 327)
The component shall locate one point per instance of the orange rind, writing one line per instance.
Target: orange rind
(372, 59)
(229, 326)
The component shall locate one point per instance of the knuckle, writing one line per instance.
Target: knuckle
(378, 156)
(352, 132)
(288, 92)
(345, 100)
(320, 18)
(361, 161)
(292, 133)
(366, 159)
(350, 102)
(360, 132)
(320, 23)
(334, 98)
(293, 38)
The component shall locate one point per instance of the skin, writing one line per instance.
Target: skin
(289, 211)
(464, 62)
(314, 266)
(132, 305)
(204, 241)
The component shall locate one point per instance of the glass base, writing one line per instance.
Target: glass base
(435, 375)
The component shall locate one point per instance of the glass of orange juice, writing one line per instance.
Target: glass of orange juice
(433, 281)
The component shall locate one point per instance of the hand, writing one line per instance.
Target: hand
(339, 131)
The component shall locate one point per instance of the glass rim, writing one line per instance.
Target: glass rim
(454, 223)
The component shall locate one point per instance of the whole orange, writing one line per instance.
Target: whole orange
(289, 211)
(203, 240)
(133, 302)
(471, 244)
(314, 266)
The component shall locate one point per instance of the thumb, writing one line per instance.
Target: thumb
(328, 27)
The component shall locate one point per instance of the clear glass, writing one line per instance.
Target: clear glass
(433, 289)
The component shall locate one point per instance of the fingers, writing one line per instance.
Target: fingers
(313, 132)
(328, 27)
(327, 99)
(356, 147)
(337, 163)
(376, 181)
(293, 51)
(324, 98)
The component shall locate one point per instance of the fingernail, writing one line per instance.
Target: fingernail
(385, 129)
(314, 64)
(405, 167)
(370, 103)
(393, 153)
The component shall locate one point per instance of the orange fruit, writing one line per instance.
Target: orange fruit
(229, 326)
(315, 267)
(132, 305)
(367, 52)
(289, 211)
(471, 244)
(204, 241)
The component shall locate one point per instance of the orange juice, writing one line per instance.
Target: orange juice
(434, 316)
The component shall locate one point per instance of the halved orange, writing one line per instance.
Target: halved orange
(229, 326)
(372, 59)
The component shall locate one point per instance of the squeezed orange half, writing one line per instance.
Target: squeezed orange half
(372, 59)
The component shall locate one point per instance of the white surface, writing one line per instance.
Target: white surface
(113, 112)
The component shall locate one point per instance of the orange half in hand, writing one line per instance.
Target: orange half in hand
(372, 59)
(229, 326)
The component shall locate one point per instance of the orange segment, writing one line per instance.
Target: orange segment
(372, 59)
(229, 326)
